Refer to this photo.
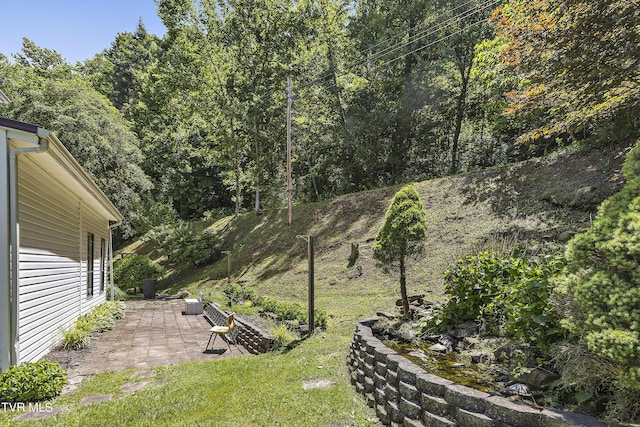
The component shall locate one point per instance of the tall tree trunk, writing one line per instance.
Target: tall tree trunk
(403, 291)
(402, 136)
(464, 61)
(258, 207)
(237, 173)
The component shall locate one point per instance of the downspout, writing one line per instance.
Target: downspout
(111, 227)
(14, 230)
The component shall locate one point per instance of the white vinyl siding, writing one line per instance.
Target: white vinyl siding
(54, 225)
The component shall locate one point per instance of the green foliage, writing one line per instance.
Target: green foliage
(601, 288)
(100, 319)
(44, 90)
(77, 337)
(182, 243)
(32, 382)
(237, 293)
(580, 60)
(510, 294)
(129, 272)
(118, 294)
(284, 310)
(401, 237)
(282, 336)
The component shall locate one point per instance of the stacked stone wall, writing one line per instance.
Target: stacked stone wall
(247, 335)
(403, 394)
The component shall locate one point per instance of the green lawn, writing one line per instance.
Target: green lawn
(265, 390)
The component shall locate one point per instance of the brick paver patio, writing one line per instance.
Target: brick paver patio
(152, 333)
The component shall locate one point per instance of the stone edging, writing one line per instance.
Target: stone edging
(403, 394)
(247, 335)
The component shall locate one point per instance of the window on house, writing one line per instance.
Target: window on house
(90, 265)
(103, 263)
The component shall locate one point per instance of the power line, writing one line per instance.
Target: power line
(362, 52)
(407, 31)
(412, 39)
(414, 51)
(423, 34)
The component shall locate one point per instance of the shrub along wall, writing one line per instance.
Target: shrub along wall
(402, 393)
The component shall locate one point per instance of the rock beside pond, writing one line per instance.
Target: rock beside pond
(538, 378)
(448, 341)
(480, 357)
(466, 329)
(438, 348)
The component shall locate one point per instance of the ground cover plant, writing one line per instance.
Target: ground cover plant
(32, 382)
(283, 310)
(100, 319)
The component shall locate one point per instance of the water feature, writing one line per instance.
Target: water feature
(447, 366)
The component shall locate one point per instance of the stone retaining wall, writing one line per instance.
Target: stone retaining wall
(247, 335)
(403, 394)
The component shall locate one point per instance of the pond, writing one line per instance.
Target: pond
(446, 366)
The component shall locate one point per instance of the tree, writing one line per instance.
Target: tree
(582, 62)
(600, 292)
(44, 90)
(120, 71)
(401, 237)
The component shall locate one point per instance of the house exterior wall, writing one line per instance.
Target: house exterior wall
(54, 226)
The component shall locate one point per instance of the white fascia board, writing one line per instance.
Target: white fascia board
(71, 165)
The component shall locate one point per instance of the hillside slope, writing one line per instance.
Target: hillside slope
(539, 203)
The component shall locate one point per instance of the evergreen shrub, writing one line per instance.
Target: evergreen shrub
(600, 292)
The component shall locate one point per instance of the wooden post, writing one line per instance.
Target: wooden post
(311, 284)
(228, 265)
(289, 102)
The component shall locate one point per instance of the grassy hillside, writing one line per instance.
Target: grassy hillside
(539, 204)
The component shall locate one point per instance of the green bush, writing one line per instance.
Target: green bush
(284, 310)
(600, 292)
(32, 382)
(129, 272)
(509, 293)
(473, 284)
(181, 243)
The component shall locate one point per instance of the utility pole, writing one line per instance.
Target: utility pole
(289, 102)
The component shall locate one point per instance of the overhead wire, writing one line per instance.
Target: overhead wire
(415, 37)
(362, 52)
(412, 39)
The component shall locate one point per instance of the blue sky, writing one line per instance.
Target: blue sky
(76, 29)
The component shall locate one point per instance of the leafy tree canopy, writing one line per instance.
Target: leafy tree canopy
(582, 60)
(43, 90)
